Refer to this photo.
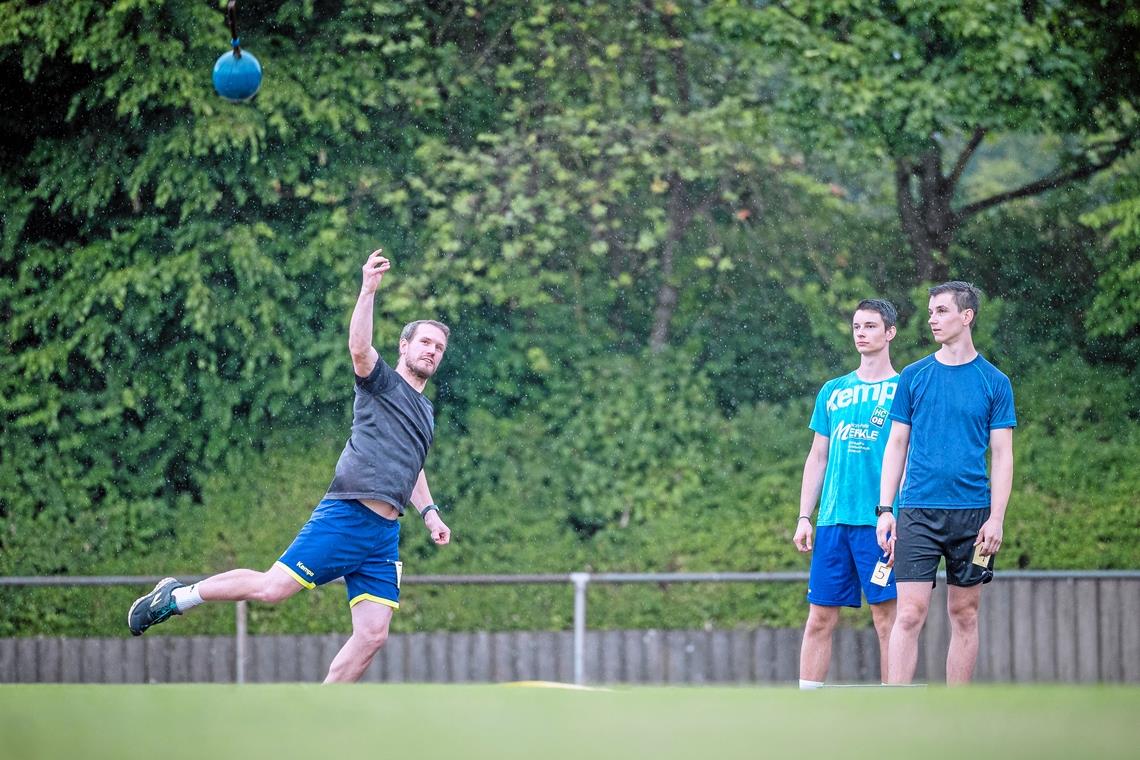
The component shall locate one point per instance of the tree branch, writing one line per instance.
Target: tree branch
(677, 57)
(788, 12)
(966, 155)
(904, 200)
(1120, 147)
(648, 70)
(491, 47)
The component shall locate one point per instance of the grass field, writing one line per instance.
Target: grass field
(497, 721)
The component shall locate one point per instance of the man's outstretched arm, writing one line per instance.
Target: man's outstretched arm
(364, 356)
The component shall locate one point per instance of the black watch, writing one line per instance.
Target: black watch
(883, 510)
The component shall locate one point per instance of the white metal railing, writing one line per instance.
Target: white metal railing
(580, 581)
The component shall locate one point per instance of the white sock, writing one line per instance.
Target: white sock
(187, 597)
(806, 684)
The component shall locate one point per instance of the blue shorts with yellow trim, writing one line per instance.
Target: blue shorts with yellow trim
(842, 563)
(346, 538)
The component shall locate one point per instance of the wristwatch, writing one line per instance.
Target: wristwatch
(884, 509)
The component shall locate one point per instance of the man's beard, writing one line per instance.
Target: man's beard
(422, 369)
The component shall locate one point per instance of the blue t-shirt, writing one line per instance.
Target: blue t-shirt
(951, 411)
(852, 414)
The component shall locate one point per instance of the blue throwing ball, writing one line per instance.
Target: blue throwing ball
(237, 78)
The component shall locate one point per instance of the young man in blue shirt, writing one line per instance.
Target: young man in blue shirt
(354, 532)
(842, 473)
(950, 407)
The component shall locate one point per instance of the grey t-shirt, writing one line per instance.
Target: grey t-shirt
(392, 429)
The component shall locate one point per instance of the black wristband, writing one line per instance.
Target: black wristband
(428, 508)
(805, 517)
(883, 509)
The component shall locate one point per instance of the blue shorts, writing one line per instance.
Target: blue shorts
(842, 561)
(346, 538)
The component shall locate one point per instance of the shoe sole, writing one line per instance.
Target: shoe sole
(131, 611)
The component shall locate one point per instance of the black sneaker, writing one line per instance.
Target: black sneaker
(154, 607)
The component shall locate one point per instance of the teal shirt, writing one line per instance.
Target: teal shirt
(853, 416)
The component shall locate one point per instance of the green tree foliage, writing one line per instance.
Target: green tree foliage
(921, 84)
(637, 142)
(172, 263)
(632, 469)
(1115, 311)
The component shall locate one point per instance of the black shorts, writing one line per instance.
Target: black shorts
(926, 535)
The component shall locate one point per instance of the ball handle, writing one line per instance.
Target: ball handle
(231, 19)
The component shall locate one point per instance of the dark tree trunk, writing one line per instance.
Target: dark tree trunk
(678, 208)
(928, 220)
(679, 215)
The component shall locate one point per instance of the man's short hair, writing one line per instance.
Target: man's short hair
(409, 330)
(885, 308)
(966, 296)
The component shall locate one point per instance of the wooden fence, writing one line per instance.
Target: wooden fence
(1039, 627)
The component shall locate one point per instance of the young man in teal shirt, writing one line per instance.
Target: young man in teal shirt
(842, 473)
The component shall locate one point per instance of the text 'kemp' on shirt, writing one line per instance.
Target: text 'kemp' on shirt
(853, 415)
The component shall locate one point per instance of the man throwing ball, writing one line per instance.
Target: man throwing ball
(354, 532)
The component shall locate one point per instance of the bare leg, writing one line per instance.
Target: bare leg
(815, 653)
(902, 650)
(962, 605)
(164, 600)
(370, 622)
(883, 615)
(272, 586)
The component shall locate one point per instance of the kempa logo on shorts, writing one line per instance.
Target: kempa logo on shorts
(846, 431)
(881, 393)
(308, 572)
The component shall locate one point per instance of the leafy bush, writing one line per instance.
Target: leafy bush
(626, 466)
